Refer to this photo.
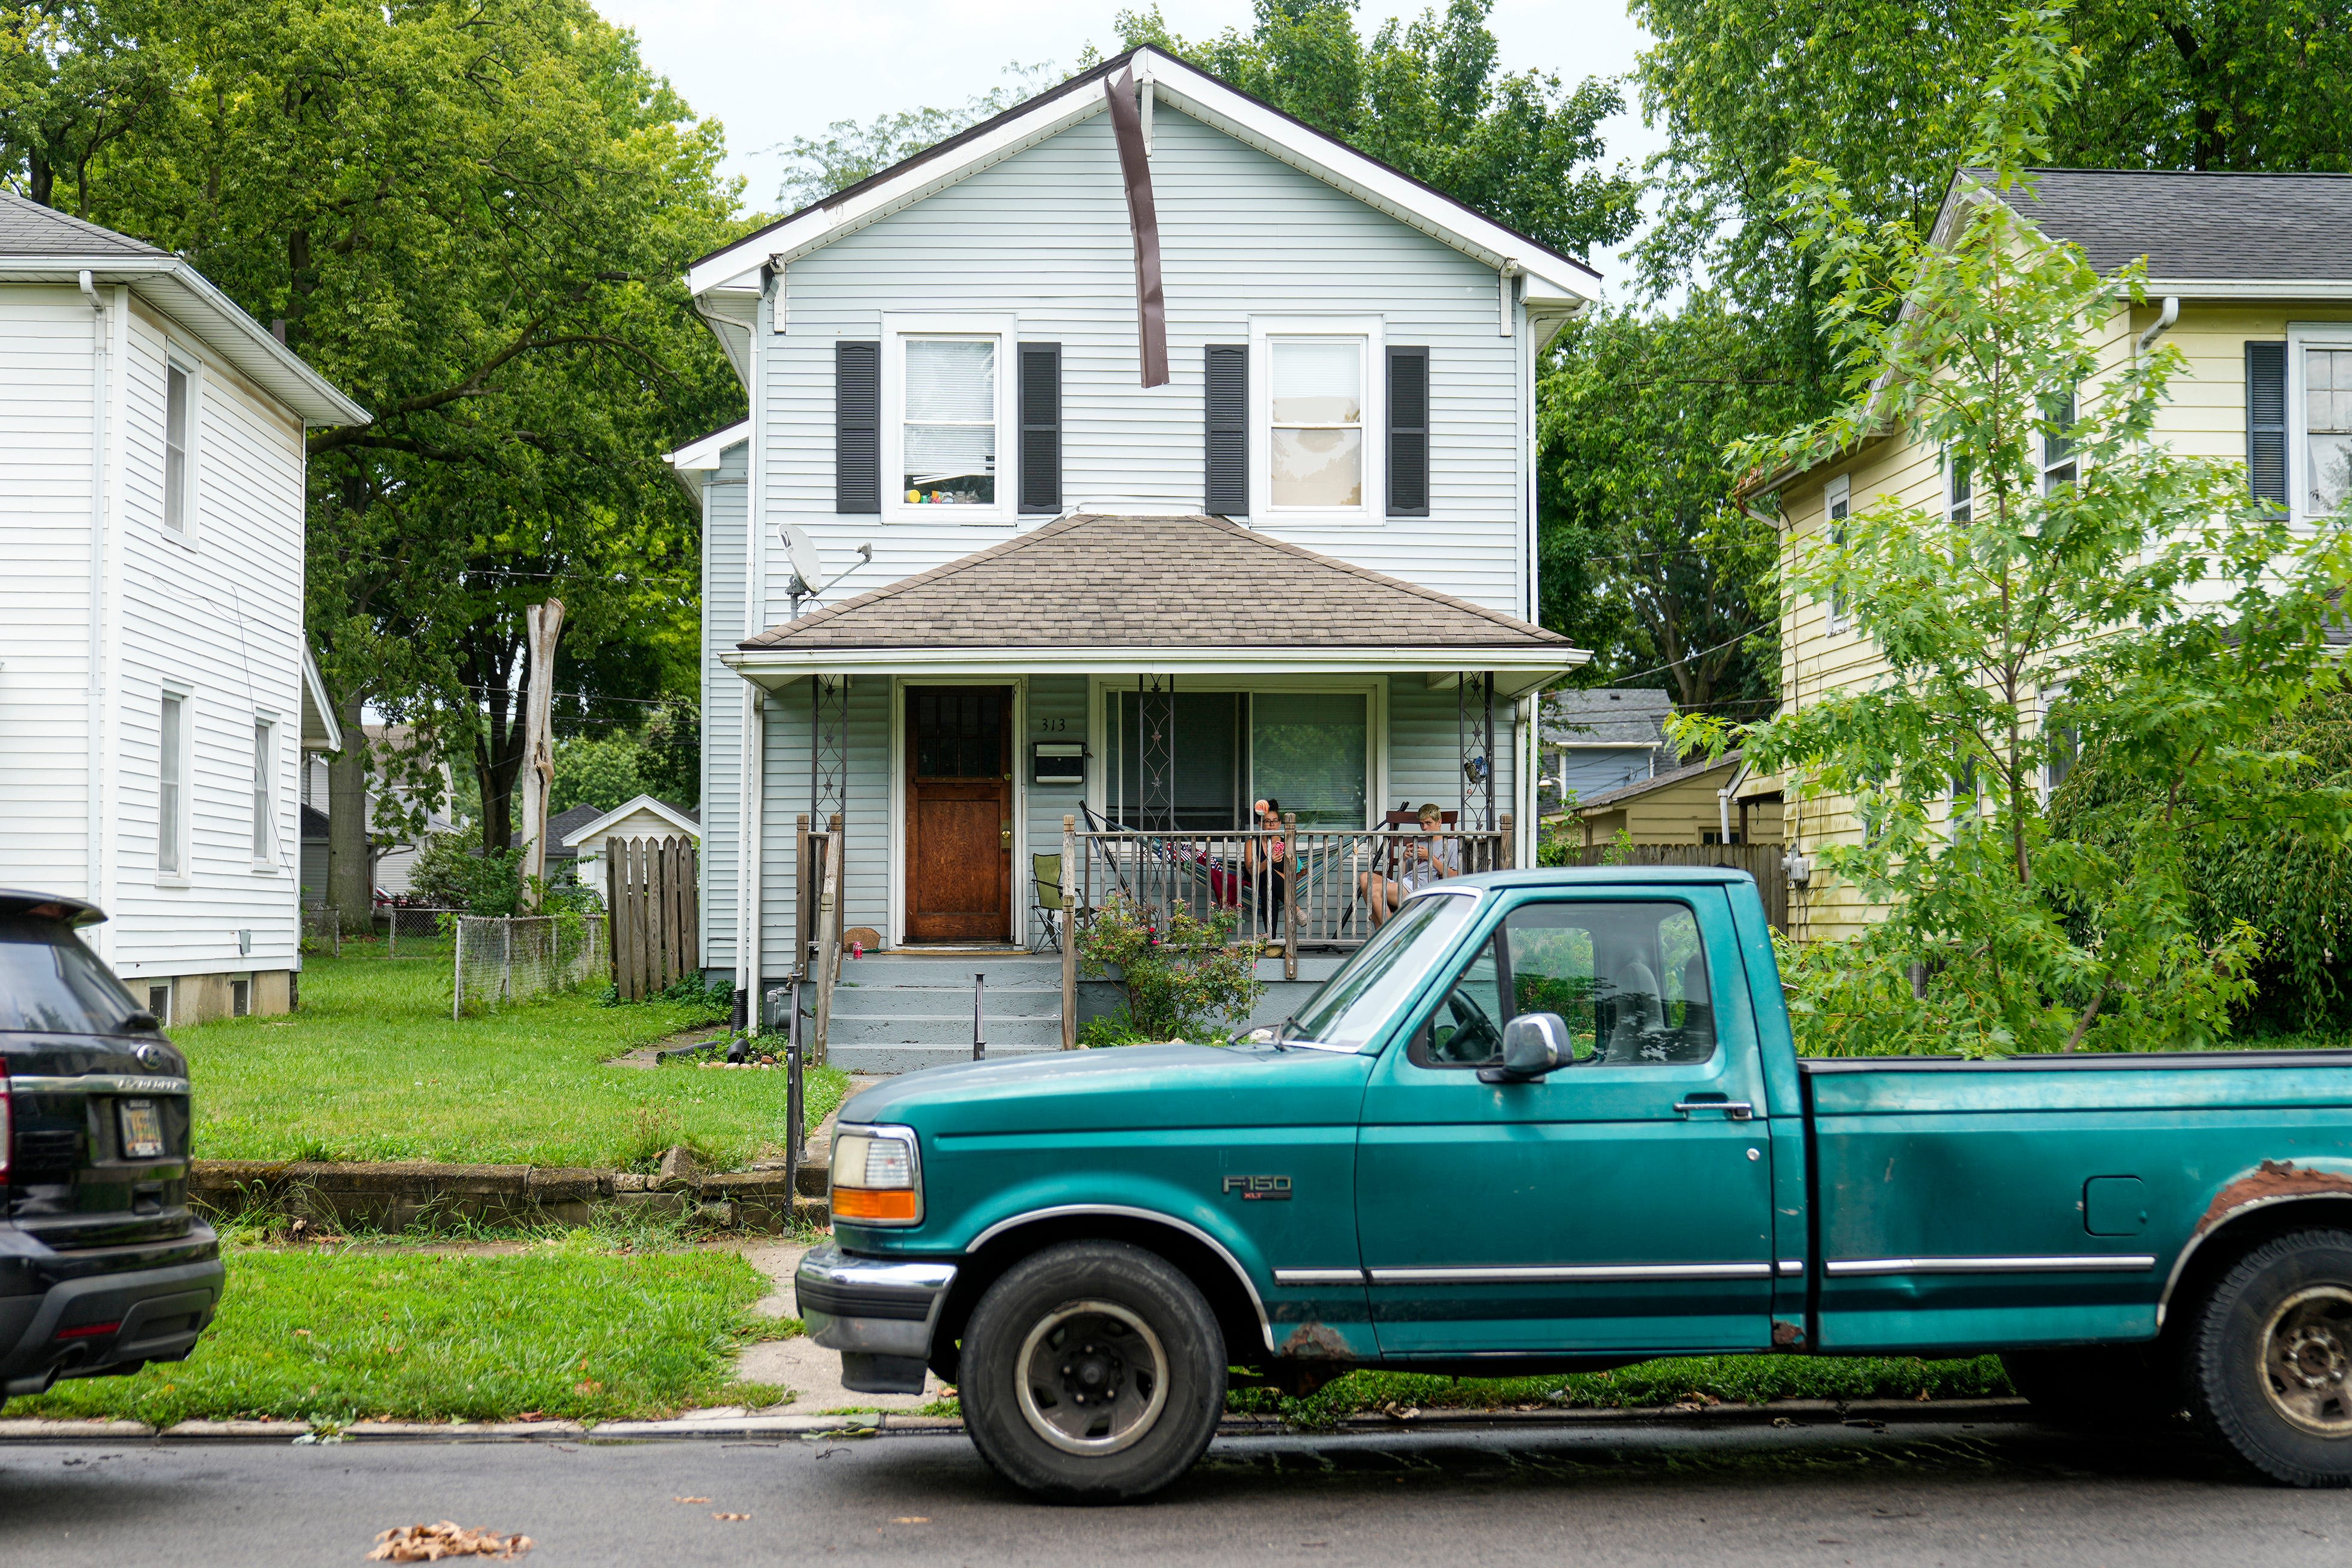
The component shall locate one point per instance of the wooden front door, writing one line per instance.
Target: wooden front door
(959, 813)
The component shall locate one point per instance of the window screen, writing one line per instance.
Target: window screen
(1308, 750)
(950, 433)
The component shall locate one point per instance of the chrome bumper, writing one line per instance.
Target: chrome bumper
(870, 1306)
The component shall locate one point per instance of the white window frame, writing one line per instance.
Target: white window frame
(1953, 500)
(270, 850)
(2302, 335)
(1374, 332)
(1838, 492)
(181, 760)
(184, 530)
(897, 328)
(2069, 458)
(1103, 740)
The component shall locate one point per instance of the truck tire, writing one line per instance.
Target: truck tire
(1092, 1371)
(2098, 1388)
(2270, 1359)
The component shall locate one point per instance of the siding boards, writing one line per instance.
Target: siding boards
(723, 500)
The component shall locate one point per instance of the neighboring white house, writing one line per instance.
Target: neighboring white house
(1164, 415)
(644, 817)
(156, 696)
(391, 861)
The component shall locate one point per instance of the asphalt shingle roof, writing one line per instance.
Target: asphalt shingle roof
(1619, 715)
(2255, 227)
(28, 229)
(1094, 581)
(1609, 797)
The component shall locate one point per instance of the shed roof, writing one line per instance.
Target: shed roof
(1153, 582)
(1631, 716)
(1608, 799)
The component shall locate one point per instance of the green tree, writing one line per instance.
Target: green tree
(595, 769)
(848, 152)
(2138, 603)
(1429, 97)
(1888, 92)
(473, 215)
(1644, 556)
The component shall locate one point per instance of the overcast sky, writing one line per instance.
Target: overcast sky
(790, 67)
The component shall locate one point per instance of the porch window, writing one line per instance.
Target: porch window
(947, 436)
(1310, 751)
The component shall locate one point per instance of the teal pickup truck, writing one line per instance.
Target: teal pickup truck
(1554, 1121)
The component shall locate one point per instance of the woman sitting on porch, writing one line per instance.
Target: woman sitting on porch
(1269, 865)
(1424, 859)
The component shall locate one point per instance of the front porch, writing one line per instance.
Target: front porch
(981, 742)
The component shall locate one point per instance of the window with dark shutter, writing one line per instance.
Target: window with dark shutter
(857, 426)
(2266, 422)
(1226, 422)
(1408, 432)
(1041, 428)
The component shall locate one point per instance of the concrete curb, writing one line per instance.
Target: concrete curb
(1866, 1416)
(394, 1195)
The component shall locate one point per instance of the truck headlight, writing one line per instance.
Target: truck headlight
(878, 1176)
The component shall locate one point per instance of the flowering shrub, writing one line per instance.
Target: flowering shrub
(1183, 976)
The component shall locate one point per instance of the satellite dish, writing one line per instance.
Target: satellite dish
(806, 567)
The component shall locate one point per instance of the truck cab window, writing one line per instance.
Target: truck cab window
(1628, 979)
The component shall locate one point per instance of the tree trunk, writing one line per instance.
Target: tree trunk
(350, 871)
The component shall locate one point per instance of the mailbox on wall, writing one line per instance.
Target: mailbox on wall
(1058, 762)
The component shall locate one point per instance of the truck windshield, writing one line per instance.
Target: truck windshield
(51, 983)
(1371, 986)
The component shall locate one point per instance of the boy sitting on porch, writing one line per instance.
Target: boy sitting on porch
(1422, 861)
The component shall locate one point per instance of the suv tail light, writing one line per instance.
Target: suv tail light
(7, 1125)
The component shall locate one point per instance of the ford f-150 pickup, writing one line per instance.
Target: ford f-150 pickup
(1556, 1121)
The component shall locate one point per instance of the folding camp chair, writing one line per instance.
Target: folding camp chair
(1046, 875)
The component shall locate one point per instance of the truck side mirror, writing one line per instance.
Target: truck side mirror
(1533, 1044)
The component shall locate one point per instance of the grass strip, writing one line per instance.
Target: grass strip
(570, 1329)
(373, 1068)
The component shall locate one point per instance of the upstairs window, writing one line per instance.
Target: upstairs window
(179, 420)
(2327, 429)
(948, 423)
(1960, 502)
(1317, 415)
(2059, 466)
(1839, 497)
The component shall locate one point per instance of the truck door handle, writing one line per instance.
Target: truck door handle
(1733, 1109)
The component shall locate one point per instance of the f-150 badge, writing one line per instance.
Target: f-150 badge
(1260, 1189)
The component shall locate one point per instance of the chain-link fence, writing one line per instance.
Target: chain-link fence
(322, 932)
(417, 932)
(502, 960)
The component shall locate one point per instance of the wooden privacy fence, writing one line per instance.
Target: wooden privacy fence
(1761, 861)
(650, 888)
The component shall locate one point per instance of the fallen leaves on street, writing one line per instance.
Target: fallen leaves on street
(432, 1542)
(690, 1499)
(731, 1515)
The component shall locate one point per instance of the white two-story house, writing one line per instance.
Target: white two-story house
(1193, 450)
(156, 696)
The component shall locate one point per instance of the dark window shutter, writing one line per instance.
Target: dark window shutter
(1227, 424)
(1041, 428)
(857, 426)
(2266, 421)
(1408, 432)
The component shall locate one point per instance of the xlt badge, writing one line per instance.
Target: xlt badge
(1260, 1189)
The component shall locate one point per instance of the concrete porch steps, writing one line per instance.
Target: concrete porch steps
(901, 1012)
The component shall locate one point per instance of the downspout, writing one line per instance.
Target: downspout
(2163, 323)
(1723, 801)
(94, 846)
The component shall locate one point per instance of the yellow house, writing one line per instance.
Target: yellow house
(1703, 802)
(2249, 277)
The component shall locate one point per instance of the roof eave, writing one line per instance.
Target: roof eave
(189, 298)
(1519, 669)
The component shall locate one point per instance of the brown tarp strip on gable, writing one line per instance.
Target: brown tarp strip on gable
(1143, 217)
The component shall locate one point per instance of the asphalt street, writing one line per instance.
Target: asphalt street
(1928, 1492)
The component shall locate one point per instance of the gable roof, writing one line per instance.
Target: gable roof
(41, 246)
(1553, 276)
(1159, 581)
(1631, 716)
(575, 837)
(1608, 799)
(2193, 227)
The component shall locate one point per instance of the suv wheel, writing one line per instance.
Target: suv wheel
(2269, 1357)
(1092, 1371)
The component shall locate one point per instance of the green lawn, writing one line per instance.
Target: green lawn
(373, 1068)
(571, 1328)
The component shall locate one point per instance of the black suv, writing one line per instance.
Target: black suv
(102, 1268)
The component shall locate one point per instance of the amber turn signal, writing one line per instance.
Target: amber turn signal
(865, 1202)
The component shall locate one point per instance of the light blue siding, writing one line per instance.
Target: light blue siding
(723, 499)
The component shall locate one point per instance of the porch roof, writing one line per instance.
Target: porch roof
(1111, 595)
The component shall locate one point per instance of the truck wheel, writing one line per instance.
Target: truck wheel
(2269, 1357)
(2098, 1388)
(1092, 1371)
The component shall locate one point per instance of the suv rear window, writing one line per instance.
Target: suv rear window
(51, 983)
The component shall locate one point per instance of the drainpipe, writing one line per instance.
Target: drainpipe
(93, 846)
(1723, 801)
(2164, 319)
